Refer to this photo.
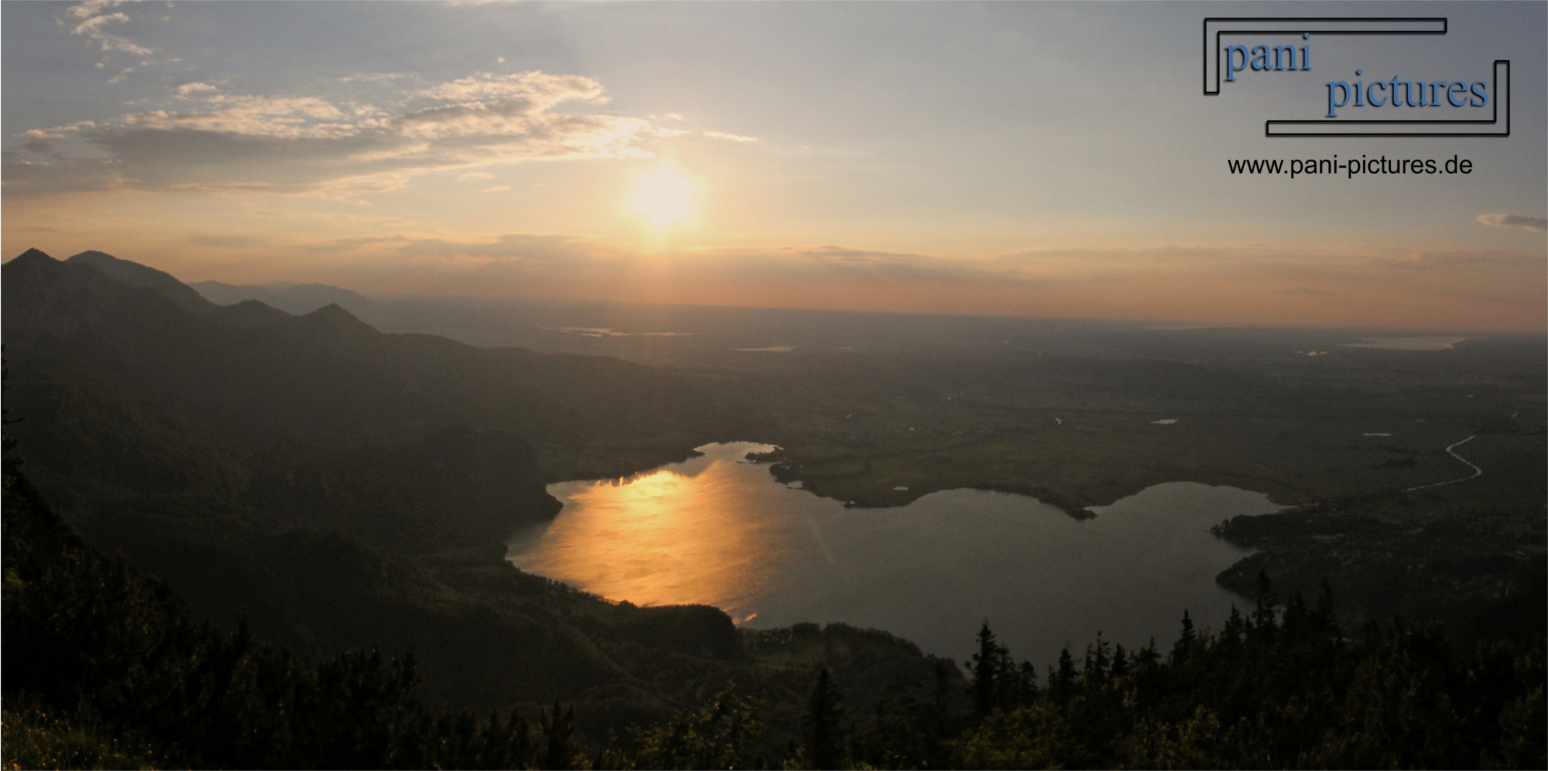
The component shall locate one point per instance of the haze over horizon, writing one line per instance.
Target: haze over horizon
(1020, 159)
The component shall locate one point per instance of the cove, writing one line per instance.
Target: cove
(719, 530)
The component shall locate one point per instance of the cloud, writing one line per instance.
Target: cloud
(579, 259)
(91, 21)
(227, 242)
(511, 255)
(495, 189)
(305, 144)
(193, 88)
(474, 175)
(1455, 260)
(1301, 291)
(1512, 221)
(374, 77)
(729, 137)
(538, 88)
(253, 116)
(839, 260)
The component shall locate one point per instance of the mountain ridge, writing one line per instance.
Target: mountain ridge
(296, 299)
(342, 487)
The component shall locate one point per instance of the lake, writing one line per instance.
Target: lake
(1407, 343)
(719, 530)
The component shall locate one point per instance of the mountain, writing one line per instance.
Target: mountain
(326, 383)
(135, 274)
(345, 488)
(191, 436)
(292, 298)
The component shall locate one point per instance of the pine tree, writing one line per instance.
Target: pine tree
(558, 728)
(989, 668)
(1061, 682)
(1184, 644)
(822, 727)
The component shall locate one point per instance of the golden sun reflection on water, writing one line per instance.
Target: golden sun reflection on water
(670, 537)
(720, 531)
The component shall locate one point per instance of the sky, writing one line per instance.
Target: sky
(1011, 158)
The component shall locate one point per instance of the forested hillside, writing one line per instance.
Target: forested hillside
(307, 517)
(105, 669)
(346, 489)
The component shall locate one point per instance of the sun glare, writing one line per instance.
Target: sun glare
(663, 196)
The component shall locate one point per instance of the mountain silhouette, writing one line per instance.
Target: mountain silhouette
(135, 274)
(314, 473)
(297, 299)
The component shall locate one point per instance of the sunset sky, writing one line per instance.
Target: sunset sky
(1040, 159)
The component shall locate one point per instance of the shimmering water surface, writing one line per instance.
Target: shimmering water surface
(721, 531)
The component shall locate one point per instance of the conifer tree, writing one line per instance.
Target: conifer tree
(988, 667)
(822, 727)
(1061, 682)
(558, 728)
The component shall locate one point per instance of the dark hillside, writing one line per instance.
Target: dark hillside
(111, 664)
(135, 274)
(318, 418)
(105, 668)
(347, 489)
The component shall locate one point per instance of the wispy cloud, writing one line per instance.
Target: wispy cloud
(92, 20)
(59, 132)
(539, 89)
(188, 89)
(227, 241)
(1513, 221)
(252, 116)
(307, 144)
(729, 137)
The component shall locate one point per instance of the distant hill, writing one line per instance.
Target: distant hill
(296, 299)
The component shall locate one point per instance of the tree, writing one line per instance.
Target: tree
(558, 727)
(1061, 682)
(989, 668)
(822, 727)
(720, 734)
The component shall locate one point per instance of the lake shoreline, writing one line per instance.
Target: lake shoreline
(724, 530)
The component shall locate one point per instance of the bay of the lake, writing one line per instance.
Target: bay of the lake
(719, 530)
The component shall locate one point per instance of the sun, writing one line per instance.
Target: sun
(663, 196)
